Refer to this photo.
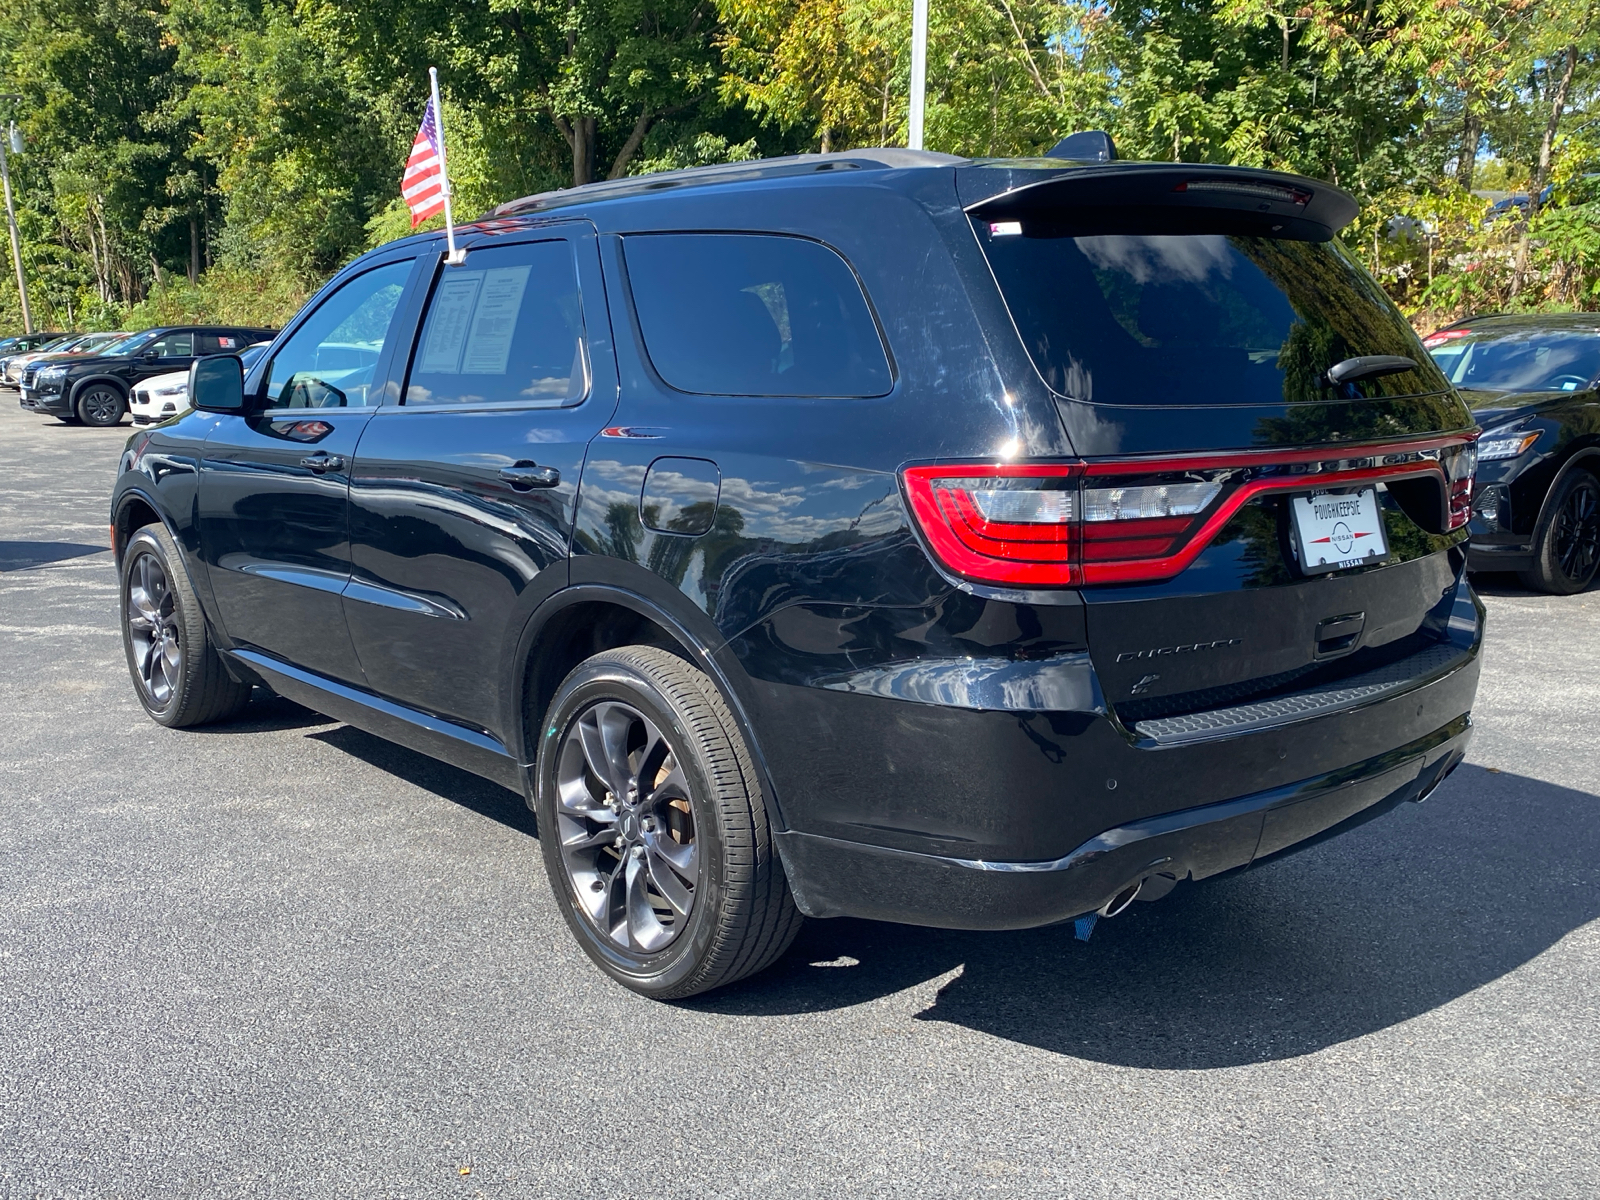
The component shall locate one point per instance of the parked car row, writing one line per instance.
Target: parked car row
(96, 378)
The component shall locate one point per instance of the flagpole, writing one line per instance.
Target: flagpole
(455, 256)
(919, 71)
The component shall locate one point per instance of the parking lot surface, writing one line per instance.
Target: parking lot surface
(286, 958)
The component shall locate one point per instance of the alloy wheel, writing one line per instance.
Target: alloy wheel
(626, 828)
(1577, 534)
(153, 629)
(101, 406)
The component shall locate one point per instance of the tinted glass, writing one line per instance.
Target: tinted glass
(727, 314)
(175, 345)
(129, 345)
(250, 354)
(219, 343)
(1197, 318)
(330, 361)
(1524, 360)
(505, 327)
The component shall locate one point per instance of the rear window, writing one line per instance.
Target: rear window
(1193, 317)
(1522, 360)
(727, 314)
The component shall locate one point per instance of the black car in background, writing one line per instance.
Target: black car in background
(94, 389)
(980, 544)
(1534, 383)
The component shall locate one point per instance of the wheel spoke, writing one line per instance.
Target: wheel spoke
(645, 930)
(666, 879)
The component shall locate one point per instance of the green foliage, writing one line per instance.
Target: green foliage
(217, 158)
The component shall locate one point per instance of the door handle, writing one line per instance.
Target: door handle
(322, 463)
(525, 476)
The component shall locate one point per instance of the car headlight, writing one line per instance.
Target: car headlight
(1505, 443)
(177, 389)
(53, 373)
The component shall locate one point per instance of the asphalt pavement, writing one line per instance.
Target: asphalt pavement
(284, 958)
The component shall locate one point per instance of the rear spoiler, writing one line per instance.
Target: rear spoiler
(1129, 197)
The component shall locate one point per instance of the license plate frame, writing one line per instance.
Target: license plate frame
(1337, 529)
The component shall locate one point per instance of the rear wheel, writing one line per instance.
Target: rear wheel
(177, 673)
(101, 405)
(654, 833)
(1566, 546)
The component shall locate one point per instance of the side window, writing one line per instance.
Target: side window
(175, 345)
(506, 327)
(730, 314)
(218, 343)
(330, 360)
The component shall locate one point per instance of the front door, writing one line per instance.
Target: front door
(170, 352)
(462, 497)
(274, 484)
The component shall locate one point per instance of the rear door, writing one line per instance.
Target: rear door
(1245, 518)
(463, 493)
(273, 497)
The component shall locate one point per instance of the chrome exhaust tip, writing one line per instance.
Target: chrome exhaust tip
(1122, 899)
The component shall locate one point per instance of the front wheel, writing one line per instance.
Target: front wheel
(1566, 546)
(101, 406)
(654, 833)
(177, 673)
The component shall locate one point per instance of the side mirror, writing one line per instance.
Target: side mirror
(216, 384)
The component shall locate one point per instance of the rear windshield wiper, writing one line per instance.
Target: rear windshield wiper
(1369, 366)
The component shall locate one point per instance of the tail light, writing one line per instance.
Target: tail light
(1139, 521)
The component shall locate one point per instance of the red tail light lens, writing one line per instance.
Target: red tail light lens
(998, 523)
(1139, 521)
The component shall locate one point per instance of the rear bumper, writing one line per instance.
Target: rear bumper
(834, 878)
(989, 819)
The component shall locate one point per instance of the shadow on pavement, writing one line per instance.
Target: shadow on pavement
(268, 713)
(451, 783)
(19, 556)
(1390, 921)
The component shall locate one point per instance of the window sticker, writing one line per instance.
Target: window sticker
(227, 343)
(495, 321)
(448, 322)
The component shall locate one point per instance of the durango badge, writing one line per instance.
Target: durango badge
(1189, 648)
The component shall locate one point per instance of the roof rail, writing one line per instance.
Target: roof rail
(873, 157)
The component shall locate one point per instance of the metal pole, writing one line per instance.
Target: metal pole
(919, 70)
(16, 238)
(455, 256)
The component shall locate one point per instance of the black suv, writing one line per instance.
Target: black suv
(1534, 384)
(980, 544)
(94, 389)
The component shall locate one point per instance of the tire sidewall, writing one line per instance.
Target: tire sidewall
(666, 971)
(1550, 575)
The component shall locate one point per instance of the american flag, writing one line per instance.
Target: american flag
(423, 183)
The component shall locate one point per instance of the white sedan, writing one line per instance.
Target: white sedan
(162, 397)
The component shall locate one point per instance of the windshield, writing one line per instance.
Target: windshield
(250, 354)
(1523, 360)
(60, 343)
(1188, 316)
(129, 345)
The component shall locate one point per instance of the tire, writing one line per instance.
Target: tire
(177, 673)
(675, 887)
(1566, 544)
(101, 406)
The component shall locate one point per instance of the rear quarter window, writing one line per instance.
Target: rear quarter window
(732, 314)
